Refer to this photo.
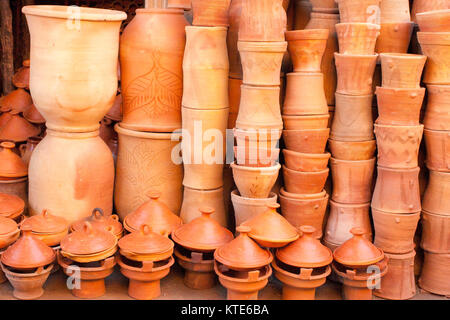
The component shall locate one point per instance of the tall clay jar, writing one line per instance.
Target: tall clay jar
(74, 55)
(151, 59)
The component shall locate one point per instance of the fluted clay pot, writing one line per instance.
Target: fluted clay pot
(234, 19)
(435, 273)
(397, 191)
(306, 141)
(304, 182)
(306, 162)
(420, 6)
(437, 195)
(437, 115)
(211, 13)
(436, 45)
(402, 70)
(355, 73)
(367, 11)
(398, 146)
(140, 170)
(438, 146)
(306, 48)
(394, 11)
(261, 138)
(205, 68)
(352, 180)
(87, 91)
(357, 38)
(151, 70)
(255, 182)
(394, 37)
(246, 208)
(352, 150)
(434, 21)
(435, 232)
(306, 122)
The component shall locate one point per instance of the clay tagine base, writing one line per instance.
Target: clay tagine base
(199, 273)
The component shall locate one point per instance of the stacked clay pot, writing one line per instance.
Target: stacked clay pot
(433, 37)
(305, 115)
(396, 200)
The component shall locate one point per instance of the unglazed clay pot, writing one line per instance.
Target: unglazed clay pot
(17, 129)
(428, 5)
(394, 37)
(17, 101)
(394, 11)
(234, 19)
(256, 157)
(306, 122)
(397, 191)
(211, 13)
(306, 48)
(151, 70)
(262, 20)
(87, 56)
(402, 70)
(438, 146)
(325, 6)
(140, 170)
(48, 228)
(306, 162)
(306, 141)
(437, 195)
(261, 138)
(410, 100)
(11, 165)
(435, 232)
(355, 73)
(436, 45)
(304, 182)
(434, 21)
(352, 150)
(357, 38)
(437, 115)
(352, 180)
(19, 188)
(180, 4)
(205, 68)
(435, 273)
(255, 182)
(359, 11)
(302, 12)
(246, 208)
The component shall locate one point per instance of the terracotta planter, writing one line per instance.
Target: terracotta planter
(437, 195)
(357, 38)
(87, 92)
(427, 5)
(434, 21)
(306, 48)
(256, 157)
(352, 150)
(435, 273)
(436, 45)
(306, 141)
(234, 19)
(355, 73)
(352, 180)
(304, 182)
(437, 115)
(306, 162)
(394, 11)
(205, 68)
(402, 70)
(261, 62)
(438, 146)
(140, 170)
(305, 94)
(306, 122)
(359, 11)
(435, 232)
(246, 208)
(255, 182)
(213, 13)
(261, 138)
(397, 191)
(394, 37)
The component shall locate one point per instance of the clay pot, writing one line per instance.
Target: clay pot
(367, 11)
(100, 221)
(302, 12)
(394, 37)
(306, 141)
(261, 138)
(21, 78)
(246, 208)
(234, 96)
(12, 166)
(352, 180)
(325, 6)
(306, 162)
(9, 232)
(437, 115)
(402, 70)
(435, 273)
(306, 48)
(357, 38)
(234, 18)
(305, 94)
(304, 182)
(262, 20)
(205, 68)
(210, 13)
(151, 70)
(31, 114)
(301, 196)
(420, 6)
(437, 195)
(435, 232)
(19, 189)
(389, 100)
(17, 101)
(436, 45)
(17, 129)
(306, 122)
(255, 182)
(355, 73)
(438, 144)
(397, 191)
(261, 62)
(88, 91)
(199, 269)
(26, 150)
(256, 157)
(48, 228)
(352, 150)
(434, 21)
(394, 11)
(179, 4)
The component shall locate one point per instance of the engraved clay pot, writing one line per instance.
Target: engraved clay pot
(367, 11)
(436, 45)
(211, 13)
(355, 73)
(246, 208)
(435, 273)
(255, 182)
(306, 141)
(438, 146)
(434, 21)
(306, 122)
(394, 37)
(352, 150)
(437, 115)
(300, 182)
(306, 162)
(402, 70)
(435, 232)
(436, 199)
(357, 38)
(394, 11)
(420, 6)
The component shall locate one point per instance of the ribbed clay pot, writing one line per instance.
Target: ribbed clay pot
(434, 21)
(437, 195)
(394, 11)
(352, 150)
(306, 162)
(357, 38)
(82, 93)
(428, 5)
(394, 37)
(234, 19)
(438, 150)
(306, 122)
(151, 70)
(355, 73)
(255, 182)
(436, 45)
(211, 13)
(435, 273)
(397, 191)
(437, 115)
(300, 182)
(367, 11)
(402, 70)
(435, 232)
(246, 208)
(306, 141)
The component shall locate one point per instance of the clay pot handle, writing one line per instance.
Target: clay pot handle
(145, 229)
(7, 145)
(154, 195)
(207, 211)
(97, 213)
(307, 230)
(243, 229)
(45, 213)
(115, 217)
(273, 205)
(357, 232)
(87, 227)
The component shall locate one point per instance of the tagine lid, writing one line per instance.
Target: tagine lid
(203, 233)
(45, 223)
(145, 241)
(10, 205)
(98, 220)
(17, 101)
(4, 118)
(358, 251)
(11, 165)
(33, 115)
(21, 78)
(28, 252)
(18, 129)
(243, 252)
(7, 226)
(306, 251)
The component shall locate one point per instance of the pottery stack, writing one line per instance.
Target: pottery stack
(434, 38)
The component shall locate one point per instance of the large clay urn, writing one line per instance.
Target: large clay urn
(437, 115)
(151, 61)
(394, 37)
(73, 75)
(436, 45)
(357, 38)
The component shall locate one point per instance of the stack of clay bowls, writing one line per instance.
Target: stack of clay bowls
(196, 243)
(9, 233)
(434, 37)
(396, 200)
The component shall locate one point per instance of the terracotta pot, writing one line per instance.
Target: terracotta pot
(435, 232)
(397, 191)
(437, 115)
(402, 70)
(306, 48)
(261, 62)
(16, 101)
(304, 182)
(19, 188)
(352, 180)
(262, 20)
(306, 141)
(17, 129)
(234, 96)
(434, 21)
(394, 11)
(301, 196)
(437, 195)
(427, 5)
(12, 166)
(361, 11)
(205, 66)
(261, 138)
(306, 162)
(212, 13)
(352, 118)
(256, 157)
(305, 94)
(436, 45)
(46, 227)
(438, 144)
(325, 6)
(21, 78)
(306, 122)
(357, 38)
(435, 273)
(355, 73)
(352, 150)
(255, 182)
(99, 221)
(88, 91)
(394, 37)
(26, 150)
(302, 12)
(246, 208)
(234, 19)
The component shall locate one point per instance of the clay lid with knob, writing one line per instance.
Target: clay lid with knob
(145, 241)
(98, 220)
(21, 78)
(306, 251)
(45, 223)
(11, 165)
(243, 252)
(203, 233)
(358, 251)
(10, 205)
(18, 129)
(7, 226)
(16, 101)
(28, 252)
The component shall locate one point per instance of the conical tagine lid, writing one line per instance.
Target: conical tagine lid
(28, 252)
(32, 115)
(4, 118)
(10, 205)
(17, 101)
(145, 241)
(7, 226)
(99, 221)
(45, 223)
(21, 78)
(11, 165)
(202, 233)
(243, 252)
(306, 251)
(358, 251)
(18, 129)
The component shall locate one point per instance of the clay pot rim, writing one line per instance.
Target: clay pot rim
(23, 179)
(276, 167)
(313, 196)
(305, 74)
(361, 96)
(218, 28)
(401, 256)
(434, 38)
(160, 10)
(402, 56)
(416, 169)
(323, 15)
(147, 135)
(352, 161)
(399, 127)
(252, 201)
(438, 215)
(403, 90)
(307, 34)
(422, 17)
(373, 141)
(325, 274)
(437, 132)
(259, 88)
(367, 25)
(356, 56)
(262, 46)
(432, 87)
(350, 205)
(86, 14)
(204, 190)
(325, 155)
(306, 130)
(396, 213)
(312, 173)
(313, 116)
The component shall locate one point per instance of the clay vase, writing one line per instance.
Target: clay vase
(140, 170)
(302, 12)
(435, 273)
(320, 121)
(246, 208)
(234, 19)
(211, 13)
(89, 88)
(437, 195)
(355, 73)
(26, 150)
(436, 45)
(394, 37)
(402, 70)
(76, 180)
(366, 11)
(357, 38)
(304, 182)
(255, 182)
(262, 20)
(410, 100)
(394, 11)
(306, 48)
(435, 232)
(434, 21)
(420, 6)
(352, 118)
(306, 162)
(438, 146)
(352, 180)
(437, 115)
(306, 141)
(151, 70)
(205, 68)
(397, 191)
(352, 150)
